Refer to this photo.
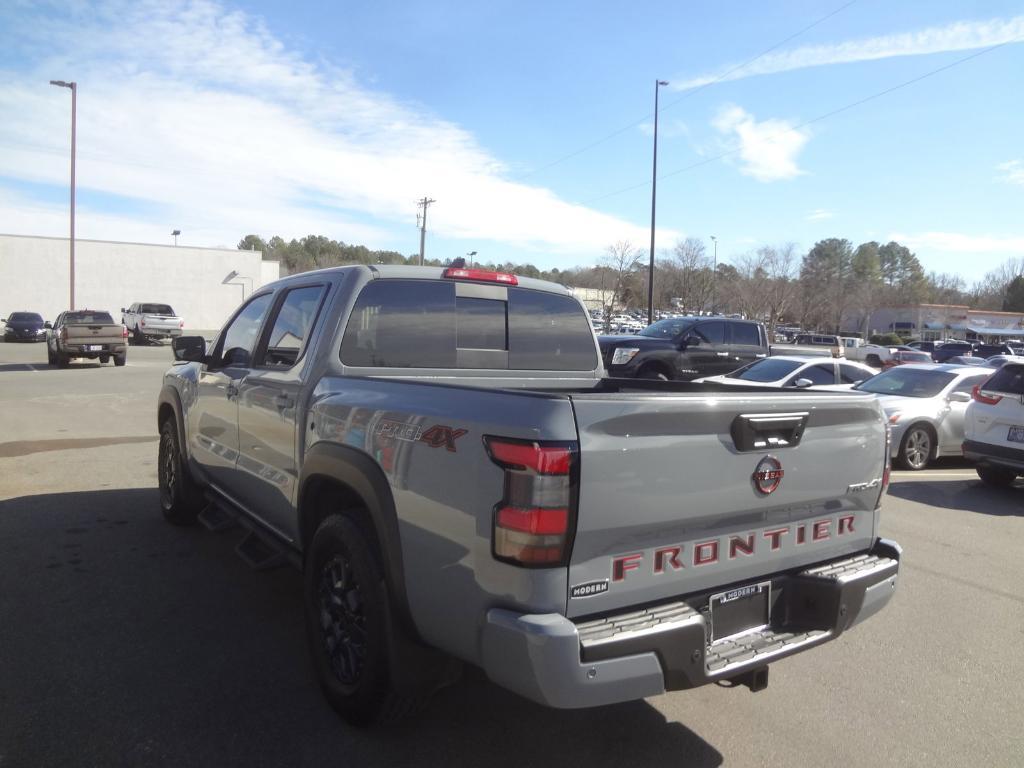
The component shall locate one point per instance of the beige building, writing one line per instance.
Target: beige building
(931, 322)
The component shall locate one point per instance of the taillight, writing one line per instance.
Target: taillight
(124, 331)
(460, 273)
(181, 323)
(981, 397)
(64, 334)
(142, 322)
(535, 520)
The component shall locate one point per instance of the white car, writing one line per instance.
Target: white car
(994, 426)
(797, 371)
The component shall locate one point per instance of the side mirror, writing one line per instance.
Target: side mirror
(690, 341)
(122, 310)
(803, 383)
(191, 349)
(958, 397)
(48, 325)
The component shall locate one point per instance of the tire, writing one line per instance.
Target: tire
(652, 372)
(873, 361)
(104, 359)
(62, 359)
(50, 358)
(120, 360)
(347, 619)
(180, 499)
(917, 447)
(996, 476)
(136, 337)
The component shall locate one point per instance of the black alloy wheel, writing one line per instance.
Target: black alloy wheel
(180, 500)
(342, 619)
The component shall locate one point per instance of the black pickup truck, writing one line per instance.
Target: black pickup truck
(685, 348)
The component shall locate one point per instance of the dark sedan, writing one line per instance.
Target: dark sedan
(25, 326)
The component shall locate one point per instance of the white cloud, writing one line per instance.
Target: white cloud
(955, 242)
(767, 149)
(959, 36)
(819, 214)
(1013, 172)
(209, 120)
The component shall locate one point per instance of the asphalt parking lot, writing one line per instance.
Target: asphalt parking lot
(124, 641)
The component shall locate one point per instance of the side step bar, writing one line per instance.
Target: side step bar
(259, 548)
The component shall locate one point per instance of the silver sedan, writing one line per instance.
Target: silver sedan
(925, 406)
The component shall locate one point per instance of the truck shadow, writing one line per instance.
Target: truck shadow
(963, 495)
(156, 645)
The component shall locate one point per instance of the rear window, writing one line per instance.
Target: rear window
(423, 324)
(765, 370)
(87, 317)
(25, 317)
(907, 382)
(1008, 379)
(155, 309)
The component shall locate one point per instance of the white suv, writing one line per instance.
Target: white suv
(994, 426)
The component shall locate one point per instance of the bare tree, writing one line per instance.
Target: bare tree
(618, 266)
(694, 272)
(766, 286)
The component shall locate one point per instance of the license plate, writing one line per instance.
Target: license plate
(739, 610)
(94, 348)
(1015, 435)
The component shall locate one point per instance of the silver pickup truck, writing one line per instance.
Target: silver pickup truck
(441, 454)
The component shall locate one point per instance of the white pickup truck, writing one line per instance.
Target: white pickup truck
(874, 355)
(151, 321)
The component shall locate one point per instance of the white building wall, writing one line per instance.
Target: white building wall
(34, 277)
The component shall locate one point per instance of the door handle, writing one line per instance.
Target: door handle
(283, 401)
(722, 354)
(761, 355)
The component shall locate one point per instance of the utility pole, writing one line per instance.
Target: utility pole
(74, 112)
(424, 204)
(654, 198)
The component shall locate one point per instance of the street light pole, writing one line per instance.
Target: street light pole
(471, 254)
(714, 277)
(654, 198)
(74, 110)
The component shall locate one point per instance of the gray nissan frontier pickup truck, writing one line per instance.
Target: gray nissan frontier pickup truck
(441, 453)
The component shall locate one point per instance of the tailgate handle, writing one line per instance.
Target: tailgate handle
(765, 431)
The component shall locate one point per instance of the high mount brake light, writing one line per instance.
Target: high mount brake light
(981, 397)
(536, 518)
(483, 275)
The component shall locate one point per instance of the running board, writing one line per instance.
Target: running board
(215, 518)
(258, 553)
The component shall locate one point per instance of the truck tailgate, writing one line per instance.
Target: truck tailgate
(691, 492)
(94, 334)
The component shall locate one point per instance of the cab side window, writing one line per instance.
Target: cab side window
(240, 337)
(819, 375)
(713, 333)
(291, 326)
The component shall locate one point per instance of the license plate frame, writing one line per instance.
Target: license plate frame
(1015, 434)
(93, 347)
(737, 611)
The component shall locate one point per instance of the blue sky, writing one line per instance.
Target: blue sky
(222, 119)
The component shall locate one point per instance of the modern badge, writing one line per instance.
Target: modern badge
(768, 475)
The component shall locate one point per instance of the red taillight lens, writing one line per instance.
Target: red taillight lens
(988, 399)
(142, 322)
(887, 466)
(181, 323)
(64, 334)
(124, 331)
(484, 275)
(536, 518)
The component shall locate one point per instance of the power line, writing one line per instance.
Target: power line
(686, 94)
(813, 120)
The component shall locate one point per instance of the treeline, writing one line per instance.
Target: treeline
(834, 286)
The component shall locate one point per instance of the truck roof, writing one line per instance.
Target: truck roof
(401, 271)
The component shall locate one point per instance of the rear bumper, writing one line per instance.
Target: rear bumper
(554, 661)
(160, 333)
(994, 455)
(76, 350)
